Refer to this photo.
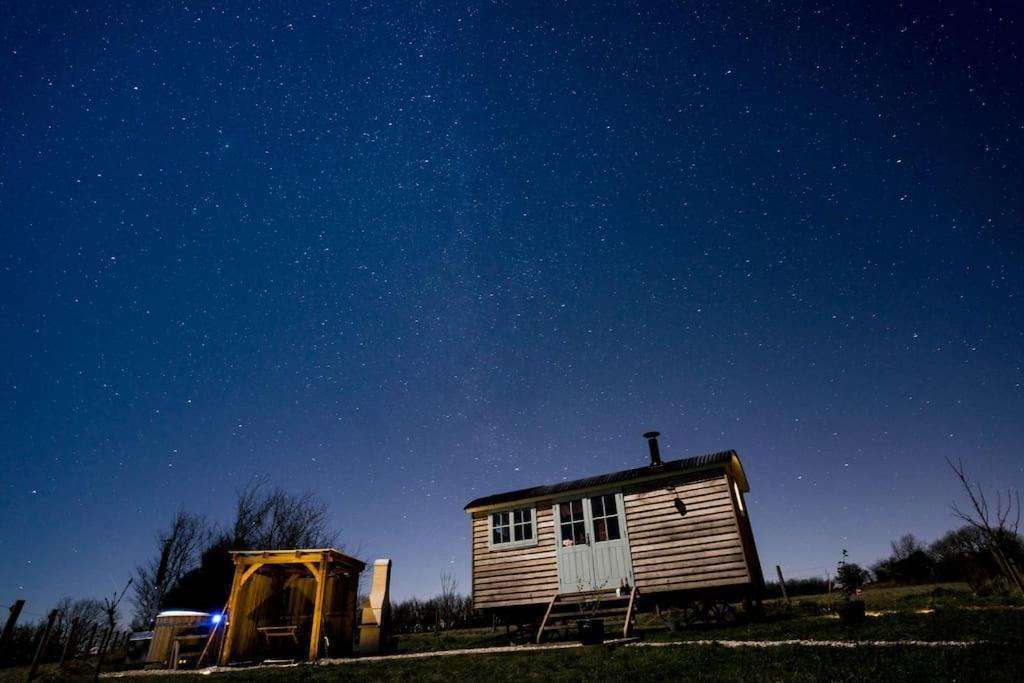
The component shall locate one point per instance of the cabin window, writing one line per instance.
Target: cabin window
(512, 528)
(739, 497)
(606, 518)
(573, 523)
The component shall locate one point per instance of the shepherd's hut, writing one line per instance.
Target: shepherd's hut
(673, 533)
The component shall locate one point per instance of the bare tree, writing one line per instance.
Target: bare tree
(110, 606)
(998, 524)
(277, 519)
(906, 546)
(179, 550)
(448, 601)
(86, 611)
(76, 617)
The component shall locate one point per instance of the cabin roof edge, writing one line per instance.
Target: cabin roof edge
(727, 459)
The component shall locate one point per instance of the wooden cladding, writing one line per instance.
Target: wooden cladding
(685, 535)
(515, 576)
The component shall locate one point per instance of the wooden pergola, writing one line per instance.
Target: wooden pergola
(333, 597)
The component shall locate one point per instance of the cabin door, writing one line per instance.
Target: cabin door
(593, 551)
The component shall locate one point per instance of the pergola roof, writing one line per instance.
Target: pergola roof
(299, 556)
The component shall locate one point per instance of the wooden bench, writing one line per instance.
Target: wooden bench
(271, 632)
(186, 649)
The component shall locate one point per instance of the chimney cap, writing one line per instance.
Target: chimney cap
(652, 435)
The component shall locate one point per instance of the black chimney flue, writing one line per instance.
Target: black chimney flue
(652, 443)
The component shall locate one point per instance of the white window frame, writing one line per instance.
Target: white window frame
(526, 542)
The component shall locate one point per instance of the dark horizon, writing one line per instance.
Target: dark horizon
(404, 257)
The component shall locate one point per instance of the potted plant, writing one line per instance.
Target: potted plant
(849, 579)
(590, 628)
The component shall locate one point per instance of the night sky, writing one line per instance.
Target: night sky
(407, 255)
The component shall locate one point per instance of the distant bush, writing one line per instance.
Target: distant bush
(959, 555)
(439, 613)
(910, 562)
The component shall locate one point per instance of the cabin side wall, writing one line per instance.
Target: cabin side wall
(697, 543)
(515, 576)
(747, 535)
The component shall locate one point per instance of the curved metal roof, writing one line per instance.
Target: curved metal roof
(727, 458)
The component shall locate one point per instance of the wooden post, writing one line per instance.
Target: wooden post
(43, 642)
(104, 642)
(92, 638)
(318, 609)
(231, 614)
(8, 632)
(213, 634)
(782, 583)
(69, 644)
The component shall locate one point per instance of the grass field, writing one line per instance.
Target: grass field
(993, 627)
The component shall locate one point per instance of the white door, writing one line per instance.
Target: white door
(593, 551)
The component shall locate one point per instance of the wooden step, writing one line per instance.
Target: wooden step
(584, 594)
(610, 625)
(613, 609)
(577, 614)
(576, 598)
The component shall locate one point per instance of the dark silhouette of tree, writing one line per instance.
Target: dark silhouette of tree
(178, 551)
(264, 520)
(86, 611)
(963, 555)
(110, 606)
(998, 524)
(909, 562)
(276, 519)
(206, 587)
(448, 601)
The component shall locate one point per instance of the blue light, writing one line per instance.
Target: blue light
(216, 618)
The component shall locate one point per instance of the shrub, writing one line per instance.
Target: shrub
(850, 577)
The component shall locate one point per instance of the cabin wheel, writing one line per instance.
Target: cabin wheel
(680, 616)
(692, 614)
(721, 613)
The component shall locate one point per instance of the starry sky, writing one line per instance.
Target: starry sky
(407, 254)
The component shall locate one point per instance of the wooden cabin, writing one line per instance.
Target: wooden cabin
(671, 530)
(291, 605)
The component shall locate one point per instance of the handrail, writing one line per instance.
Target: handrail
(544, 622)
(628, 626)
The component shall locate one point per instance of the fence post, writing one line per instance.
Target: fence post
(92, 638)
(782, 583)
(69, 644)
(43, 642)
(104, 646)
(8, 632)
